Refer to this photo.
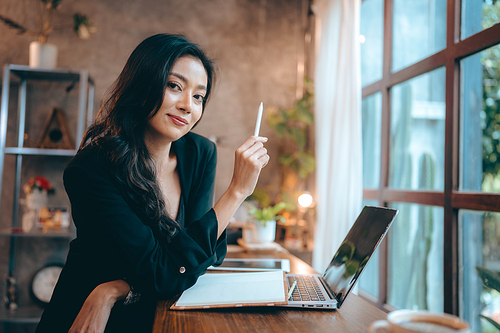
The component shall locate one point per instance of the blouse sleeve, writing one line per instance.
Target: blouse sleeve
(98, 206)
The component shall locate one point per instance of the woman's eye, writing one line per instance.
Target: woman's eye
(173, 85)
(199, 98)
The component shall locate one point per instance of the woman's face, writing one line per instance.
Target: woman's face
(183, 102)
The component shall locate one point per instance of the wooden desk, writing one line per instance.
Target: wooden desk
(355, 315)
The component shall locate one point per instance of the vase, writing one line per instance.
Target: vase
(260, 232)
(34, 201)
(42, 55)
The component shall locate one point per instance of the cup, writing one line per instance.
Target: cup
(419, 321)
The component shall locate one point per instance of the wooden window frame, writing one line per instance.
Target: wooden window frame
(450, 199)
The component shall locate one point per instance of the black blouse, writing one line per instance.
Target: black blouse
(113, 242)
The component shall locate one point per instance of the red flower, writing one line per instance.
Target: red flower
(42, 183)
(39, 183)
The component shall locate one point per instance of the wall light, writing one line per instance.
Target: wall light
(305, 200)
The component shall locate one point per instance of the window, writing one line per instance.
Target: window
(431, 148)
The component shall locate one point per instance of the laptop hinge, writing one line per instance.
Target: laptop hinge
(327, 288)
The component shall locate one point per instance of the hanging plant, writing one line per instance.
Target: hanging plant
(44, 11)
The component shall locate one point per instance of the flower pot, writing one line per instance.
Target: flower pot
(34, 201)
(43, 55)
(256, 232)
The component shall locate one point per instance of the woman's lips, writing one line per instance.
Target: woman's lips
(179, 121)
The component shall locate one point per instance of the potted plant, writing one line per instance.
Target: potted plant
(41, 53)
(293, 125)
(261, 228)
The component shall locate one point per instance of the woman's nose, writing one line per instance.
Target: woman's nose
(185, 103)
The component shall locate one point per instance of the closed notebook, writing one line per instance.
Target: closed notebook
(219, 290)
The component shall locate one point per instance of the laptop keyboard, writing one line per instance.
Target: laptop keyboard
(307, 289)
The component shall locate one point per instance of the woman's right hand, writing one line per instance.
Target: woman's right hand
(250, 158)
(94, 314)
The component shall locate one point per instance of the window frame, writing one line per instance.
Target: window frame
(451, 199)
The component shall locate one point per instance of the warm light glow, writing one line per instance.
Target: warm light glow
(362, 39)
(305, 200)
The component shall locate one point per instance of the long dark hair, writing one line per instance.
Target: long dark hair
(119, 129)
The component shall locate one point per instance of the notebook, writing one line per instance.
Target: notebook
(329, 291)
(221, 290)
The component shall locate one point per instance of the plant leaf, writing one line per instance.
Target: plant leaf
(491, 279)
(491, 321)
(286, 159)
(13, 25)
(299, 136)
(285, 115)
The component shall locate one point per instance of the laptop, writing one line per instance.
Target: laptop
(329, 291)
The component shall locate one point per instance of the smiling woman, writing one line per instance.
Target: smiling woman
(182, 102)
(141, 191)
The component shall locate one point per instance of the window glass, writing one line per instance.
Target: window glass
(371, 39)
(416, 158)
(479, 247)
(368, 281)
(419, 31)
(480, 121)
(371, 108)
(478, 15)
(415, 260)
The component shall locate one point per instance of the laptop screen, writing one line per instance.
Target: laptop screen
(357, 248)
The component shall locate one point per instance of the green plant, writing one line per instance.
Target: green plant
(44, 11)
(491, 279)
(294, 123)
(270, 213)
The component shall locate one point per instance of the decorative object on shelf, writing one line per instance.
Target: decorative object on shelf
(43, 283)
(37, 191)
(52, 217)
(11, 293)
(43, 54)
(55, 132)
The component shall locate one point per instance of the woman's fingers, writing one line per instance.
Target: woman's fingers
(252, 141)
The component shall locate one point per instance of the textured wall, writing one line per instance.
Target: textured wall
(256, 44)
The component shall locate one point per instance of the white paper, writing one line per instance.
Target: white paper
(235, 288)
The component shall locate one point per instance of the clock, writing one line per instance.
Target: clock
(44, 281)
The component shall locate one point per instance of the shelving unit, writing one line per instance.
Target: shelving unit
(23, 75)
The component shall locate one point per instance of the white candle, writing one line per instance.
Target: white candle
(259, 119)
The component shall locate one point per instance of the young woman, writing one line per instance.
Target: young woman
(141, 191)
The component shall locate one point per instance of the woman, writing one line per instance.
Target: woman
(141, 191)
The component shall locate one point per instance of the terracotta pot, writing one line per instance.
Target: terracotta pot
(43, 55)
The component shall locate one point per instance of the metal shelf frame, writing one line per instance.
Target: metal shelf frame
(23, 75)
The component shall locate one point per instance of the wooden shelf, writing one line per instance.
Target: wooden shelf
(47, 74)
(39, 151)
(25, 315)
(37, 232)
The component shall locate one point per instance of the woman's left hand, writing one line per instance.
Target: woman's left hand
(250, 158)
(94, 314)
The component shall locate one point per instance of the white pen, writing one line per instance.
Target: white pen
(259, 119)
(292, 289)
